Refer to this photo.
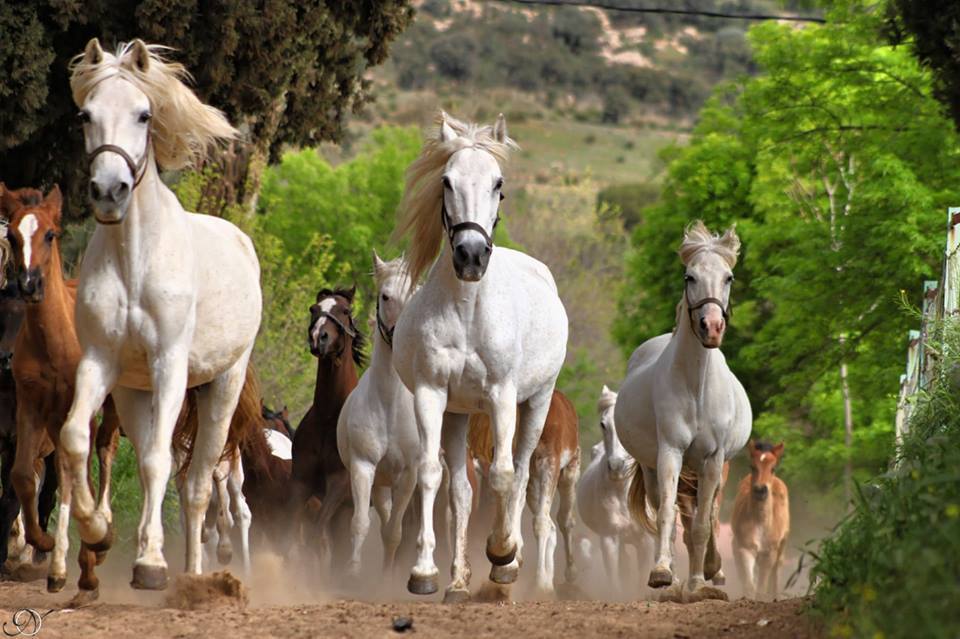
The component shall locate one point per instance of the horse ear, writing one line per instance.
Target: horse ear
(605, 390)
(751, 445)
(778, 450)
(446, 131)
(377, 262)
(92, 53)
(137, 56)
(500, 129)
(731, 240)
(54, 202)
(350, 293)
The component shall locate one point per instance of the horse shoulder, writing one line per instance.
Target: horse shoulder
(533, 266)
(648, 352)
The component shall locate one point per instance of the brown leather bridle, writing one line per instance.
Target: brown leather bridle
(725, 309)
(452, 230)
(137, 169)
(385, 333)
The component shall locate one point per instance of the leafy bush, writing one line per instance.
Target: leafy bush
(628, 201)
(891, 569)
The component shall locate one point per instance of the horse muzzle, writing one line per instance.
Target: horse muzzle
(619, 469)
(110, 201)
(761, 492)
(711, 331)
(470, 259)
(30, 284)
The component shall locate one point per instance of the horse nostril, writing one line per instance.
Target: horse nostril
(120, 191)
(487, 249)
(324, 336)
(94, 190)
(460, 253)
(703, 323)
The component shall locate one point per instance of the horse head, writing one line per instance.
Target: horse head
(619, 461)
(763, 463)
(709, 260)
(32, 233)
(394, 288)
(332, 330)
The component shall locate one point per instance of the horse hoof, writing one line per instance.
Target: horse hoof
(44, 544)
(501, 560)
(672, 594)
(422, 585)
(84, 598)
(149, 577)
(456, 596)
(503, 575)
(55, 584)
(660, 578)
(224, 555)
(104, 544)
(704, 593)
(719, 579)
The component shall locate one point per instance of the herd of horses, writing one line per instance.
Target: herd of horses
(456, 414)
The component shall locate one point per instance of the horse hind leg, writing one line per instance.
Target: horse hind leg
(461, 502)
(567, 487)
(24, 476)
(540, 490)
(224, 521)
(216, 403)
(361, 484)
(9, 504)
(107, 443)
(404, 487)
(242, 516)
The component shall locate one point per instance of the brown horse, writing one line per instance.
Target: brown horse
(555, 465)
(761, 522)
(318, 472)
(267, 467)
(46, 354)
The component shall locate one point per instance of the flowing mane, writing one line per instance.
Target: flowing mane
(423, 192)
(697, 238)
(183, 128)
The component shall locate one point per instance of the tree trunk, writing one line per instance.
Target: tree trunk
(847, 426)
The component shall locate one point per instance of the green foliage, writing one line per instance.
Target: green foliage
(836, 164)
(627, 201)
(287, 72)
(890, 569)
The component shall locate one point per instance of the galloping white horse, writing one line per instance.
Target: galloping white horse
(681, 409)
(486, 333)
(377, 431)
(167, 299)
(602, 496)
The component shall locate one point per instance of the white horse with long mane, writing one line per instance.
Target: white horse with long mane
(377, 431)
(681, 410)
(486, 332)
(167, 299)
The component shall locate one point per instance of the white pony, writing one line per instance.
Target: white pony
(486, 332)
(377, 431)
(602, 496)
(680, 409)
(167, 299)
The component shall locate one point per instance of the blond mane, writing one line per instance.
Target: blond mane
(422, 197)
(183, 128)
(697, 238)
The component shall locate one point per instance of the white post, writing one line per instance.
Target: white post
(951, 264)
(928, 323)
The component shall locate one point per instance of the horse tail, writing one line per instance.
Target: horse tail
(243, 425)
(480, 437)
(639, 504)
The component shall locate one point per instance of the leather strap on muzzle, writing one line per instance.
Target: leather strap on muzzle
(346, 329)
(452, 230)
(385, 333)
(136, 168)
(708, 300)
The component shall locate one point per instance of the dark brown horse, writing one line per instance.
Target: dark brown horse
(318, 472)
(267, 466)
(45, 359)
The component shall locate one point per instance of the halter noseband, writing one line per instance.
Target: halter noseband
(385, 333)
(452, 230)
(137, 169)
(703, 302)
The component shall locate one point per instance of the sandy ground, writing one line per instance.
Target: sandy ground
(227, 615)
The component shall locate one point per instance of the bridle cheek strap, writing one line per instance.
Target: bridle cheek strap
(385, 333)
(452, 230)
(136, 168)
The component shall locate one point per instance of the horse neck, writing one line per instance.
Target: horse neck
(335, 380)
(381, 361)
(50, 321)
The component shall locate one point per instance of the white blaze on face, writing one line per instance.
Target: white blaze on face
(27, 227)
(280, 445)
(763, 457)
(325, 306)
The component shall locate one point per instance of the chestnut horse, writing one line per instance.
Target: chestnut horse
(761, 522)
(318, 472)
(555, 465)
(45, 359)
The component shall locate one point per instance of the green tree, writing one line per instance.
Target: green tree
(286, 72)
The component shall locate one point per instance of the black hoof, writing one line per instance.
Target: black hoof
(456, 596)
(497, 560)
(422, 585)
(55, 584)
(104, 544)
(660, 578)
(149, 577)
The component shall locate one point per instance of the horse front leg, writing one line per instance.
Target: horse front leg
(429, 405)
(242, 516)
(461, 502)
(107, 442)
(501, 545)
(669, 463)
(24, 475)
(540, 492)
(96, 375)
(567, 487)
(9, 504)
(362, 473)
(404, 486)
(708, 484)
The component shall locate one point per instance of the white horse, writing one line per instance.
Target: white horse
(486, 332)
(681, 409)
(167, 299)
(602, 496)
(377, 431)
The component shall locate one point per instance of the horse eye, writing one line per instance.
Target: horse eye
(729, 278)
(48, 237)
(385, 297)
(689, 279)
(498, 185)
(83, 116)
(446, 183)
(145, 117)
(603, 426)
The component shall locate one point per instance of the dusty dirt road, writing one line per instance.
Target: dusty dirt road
(225, 616)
